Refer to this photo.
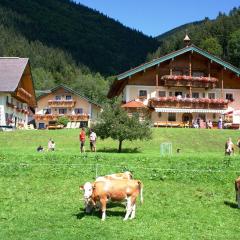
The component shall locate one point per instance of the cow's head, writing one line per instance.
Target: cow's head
(88, 202)
(88, 190)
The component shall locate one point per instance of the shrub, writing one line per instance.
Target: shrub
(63, 121)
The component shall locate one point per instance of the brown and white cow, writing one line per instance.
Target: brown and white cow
(117, 176)
(237, 188)
(116, 191)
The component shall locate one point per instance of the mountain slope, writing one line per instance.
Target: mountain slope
(173, 31)
(92, 39)
(220, 37)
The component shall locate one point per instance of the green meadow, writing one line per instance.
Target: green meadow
(188, 195)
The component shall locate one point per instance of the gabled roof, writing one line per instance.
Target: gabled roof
(134, 104)
(175, 54)
(11, 71)
(67, 89)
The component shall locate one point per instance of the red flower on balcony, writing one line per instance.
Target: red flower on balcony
(190, 78)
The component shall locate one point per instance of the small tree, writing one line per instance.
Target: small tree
(63, 121)
(115, 123)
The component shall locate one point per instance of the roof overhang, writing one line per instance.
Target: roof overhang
(190, 48)
(189, 110)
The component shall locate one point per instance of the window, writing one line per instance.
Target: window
(172, 117)
(214, 115)
(178, 93)
(170, 94)
(177, 73)
(143, 93)
(62, 110)
(159, 114)
(202, 116)
(78, 111)
(162, 94)
(197, 74)
(203, 95)
(69, 97)
(47, 111)
(211, 95)
(41, 125)
(229, 96)
(195, 95)
(57, 97)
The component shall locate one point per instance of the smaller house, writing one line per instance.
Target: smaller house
(17, 95)
(63, 101)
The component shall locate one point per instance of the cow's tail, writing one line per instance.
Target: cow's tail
(236, 189)
(141, 191)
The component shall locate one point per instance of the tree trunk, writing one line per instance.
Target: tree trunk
(120, 146)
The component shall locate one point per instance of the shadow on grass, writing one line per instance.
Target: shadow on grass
(231, 204)
(98, 214)
(124, 150)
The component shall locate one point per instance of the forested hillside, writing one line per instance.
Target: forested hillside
(220, 37)
(92, 39)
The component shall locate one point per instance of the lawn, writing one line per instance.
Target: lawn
(188, 195)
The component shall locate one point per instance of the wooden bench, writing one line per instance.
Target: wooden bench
(167, 124)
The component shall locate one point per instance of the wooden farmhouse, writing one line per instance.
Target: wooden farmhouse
(63, 101)
(179, 88)
(17, 93)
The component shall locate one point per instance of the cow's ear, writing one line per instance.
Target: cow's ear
(93, 186)
(81, 187)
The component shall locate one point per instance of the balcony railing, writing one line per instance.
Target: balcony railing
(18, 109)
(195, 103)
(54, 117)
(61, 103)
(24, 95)
(189, 81)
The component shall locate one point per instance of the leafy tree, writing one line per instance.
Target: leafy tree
(212, 46)
(115, 123)
(234, 47)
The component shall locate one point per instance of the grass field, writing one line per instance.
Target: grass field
(189, 195)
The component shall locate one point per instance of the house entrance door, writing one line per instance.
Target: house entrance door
(187, 117)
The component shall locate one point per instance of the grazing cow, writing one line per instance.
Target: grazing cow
(113, 190)
(237, 188)
(117, 176)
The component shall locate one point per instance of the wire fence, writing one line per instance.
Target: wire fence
(98, 167)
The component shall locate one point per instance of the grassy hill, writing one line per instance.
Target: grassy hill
(189, 195)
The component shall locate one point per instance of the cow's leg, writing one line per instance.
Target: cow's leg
(129, 208)
(238, 198)
(103, 202)
(133, 211)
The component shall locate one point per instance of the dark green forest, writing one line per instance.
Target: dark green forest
(220, 37)
(92, 39)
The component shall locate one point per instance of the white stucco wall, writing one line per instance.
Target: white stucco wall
(15, 116)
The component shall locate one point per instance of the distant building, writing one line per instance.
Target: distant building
(63, 101)
(181, 87)
(17, 93)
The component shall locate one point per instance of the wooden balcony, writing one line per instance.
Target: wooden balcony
(189, 81)
(61, 103)
(54, 117)
(24, 95)
(192, 103)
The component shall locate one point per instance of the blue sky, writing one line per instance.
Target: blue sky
(154, 17)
